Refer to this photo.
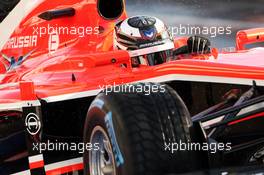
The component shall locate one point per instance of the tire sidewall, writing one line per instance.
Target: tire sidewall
(96, 116)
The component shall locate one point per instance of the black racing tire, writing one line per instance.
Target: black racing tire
(6, 6)
(142, 124)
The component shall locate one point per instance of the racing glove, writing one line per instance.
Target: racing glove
(198, 44)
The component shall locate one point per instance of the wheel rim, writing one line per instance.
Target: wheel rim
(101, 161)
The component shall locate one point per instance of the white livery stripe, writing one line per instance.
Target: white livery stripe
(53, 166)
(159, 48)
(27, 172)
(72, 96)
(8, 85)
(165, 78)
(18, 105)
(160, 79)
(201, 78)
(36, 158)
(63, 164)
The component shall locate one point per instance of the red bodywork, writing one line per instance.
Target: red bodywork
(64, 66)
(68, 66)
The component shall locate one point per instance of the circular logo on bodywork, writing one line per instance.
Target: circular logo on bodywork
(33, 123)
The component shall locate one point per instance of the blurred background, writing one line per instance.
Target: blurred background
(232, 14)
(181, 15)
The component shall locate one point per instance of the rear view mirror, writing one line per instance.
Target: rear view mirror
(110, 9)
(251, 36)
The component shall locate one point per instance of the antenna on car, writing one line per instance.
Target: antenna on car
(73, 77)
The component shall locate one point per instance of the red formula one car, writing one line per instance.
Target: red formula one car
(61, 114)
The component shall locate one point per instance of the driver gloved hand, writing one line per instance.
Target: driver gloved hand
(198, 45)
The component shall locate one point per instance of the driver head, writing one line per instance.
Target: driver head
(146, 38)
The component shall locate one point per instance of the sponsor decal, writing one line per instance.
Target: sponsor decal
(116, 150)
(54, 42)
(257, 156)
(151, 44)
(22, 42)
(32, 123)
(13, 63)
(148, 34)
(141, 22)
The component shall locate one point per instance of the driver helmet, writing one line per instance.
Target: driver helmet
(146, 38)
